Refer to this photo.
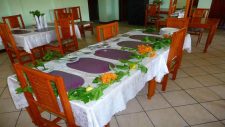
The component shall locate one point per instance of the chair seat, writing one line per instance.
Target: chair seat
(84, 23)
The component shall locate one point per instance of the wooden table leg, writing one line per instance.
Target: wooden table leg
(151, 88)
(211, 34)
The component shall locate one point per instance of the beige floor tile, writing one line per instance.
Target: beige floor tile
(186, 63)
(171, 86)
(203, 94)
(219, 90)
(134, 120)
(3, 82)
(187, 83)
(215, 60)
(200, 62)
(208, 80)
(24, 120)
(156, 102)
(212, 69)
(213, 124)
(217, 108)
(181, 74)
(8, 119)
(222, 66)
(1, 91)
(195, 114)
(7, 105)
(144, 91)
(177, 98)
(220, 76)
(194, 71)
(113, 122)
(166, 118)
(223, 122)
(132, 107)
(5, 94)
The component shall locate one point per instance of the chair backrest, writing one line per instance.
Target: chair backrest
(152, 10)
(176, 48)
(65, 29)
(76, 13)
(43, 96)
(172, 7)
(7, 38)
(106, 31)
(187, 8)
(177, 22)
(61, 13)
(15, 21)
(200, 13)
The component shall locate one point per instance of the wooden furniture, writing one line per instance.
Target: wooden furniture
(177, 22)
(14, 52)
(198, 13)
(83, 25)
(15, 21)
(65, 32)
(106, 31)
(217, 10)
(45, 98)
(151, 13)
(61, 13)
(172, 7)
(207, 23)
(175, 55)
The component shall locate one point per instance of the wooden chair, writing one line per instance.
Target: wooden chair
(14, 52)
(106, 31)
(15, 21)
(175, 55)
(152, 13)
(66, 36)
(45, 99)
(83, 25)
(61, 13)
(198, 13)
(177, 22)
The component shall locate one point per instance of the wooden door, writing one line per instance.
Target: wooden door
(217, 10)
(123, 10)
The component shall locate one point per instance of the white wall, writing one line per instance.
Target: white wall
(204, 3)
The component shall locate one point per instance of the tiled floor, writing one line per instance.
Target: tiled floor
(196, 98)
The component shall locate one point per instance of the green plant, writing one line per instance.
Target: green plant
(37, 13)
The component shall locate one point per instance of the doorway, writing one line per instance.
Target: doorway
(217, 10)
(123, 10)
(93, 10)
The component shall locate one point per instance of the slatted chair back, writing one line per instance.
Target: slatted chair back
(43, 96)
(15, 21)
(177, 22)
(61, 13)
(200, 13)
(152, 9)
(76, 13)
(187, 8)
(106, 31)
(175, 55)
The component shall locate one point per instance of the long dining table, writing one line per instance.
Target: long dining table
(208, 23)
(31, 37)
(90, 62)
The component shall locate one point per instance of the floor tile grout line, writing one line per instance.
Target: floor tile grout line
(18, 118)
(145, 111)
(175, 109)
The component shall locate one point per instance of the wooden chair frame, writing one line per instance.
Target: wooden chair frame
(61, 13)
(83, 25)
(175, 55)
(152, 11)
(45, 100)
(14, 21)
(106, 31)
(63, 29)
(177, 22)
(10, 46)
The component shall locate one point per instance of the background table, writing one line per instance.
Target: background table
(34, 39)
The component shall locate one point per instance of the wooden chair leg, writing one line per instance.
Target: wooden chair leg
(151, 88)
(164, 82)
(31, 115)
(199, 39)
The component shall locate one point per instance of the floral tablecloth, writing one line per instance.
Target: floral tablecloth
(99, 113)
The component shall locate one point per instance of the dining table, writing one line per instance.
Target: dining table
(31, 37)
(83, 66)
(207, 23)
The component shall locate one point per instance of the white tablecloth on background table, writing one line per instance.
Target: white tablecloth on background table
(99, 113)
(187, 40)
(34, 39)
